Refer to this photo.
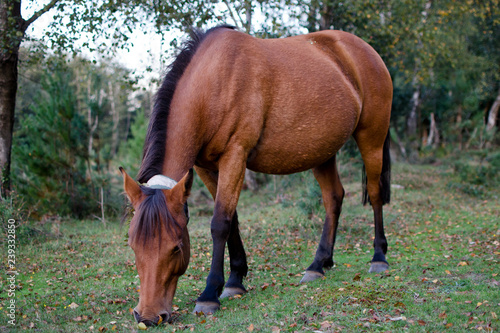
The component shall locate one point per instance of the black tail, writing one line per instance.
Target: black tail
(385, 177)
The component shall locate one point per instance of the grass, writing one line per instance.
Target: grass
(444, 252)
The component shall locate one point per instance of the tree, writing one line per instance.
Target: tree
(12, 31)
(113, 20)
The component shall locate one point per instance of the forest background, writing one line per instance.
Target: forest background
(80, 113)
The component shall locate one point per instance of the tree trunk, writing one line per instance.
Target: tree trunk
(326, 19)
(12, 28)
(411, 121)
(248, 14)
(459, 127)
(251, 180)
(412, 124)
(493, 114)
(8, 90)
(116, 119)
(433, 139)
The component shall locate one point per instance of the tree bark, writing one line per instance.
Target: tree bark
(411, 121)
(493, 114)
(433, 139)
(11, 32)
(8, 90)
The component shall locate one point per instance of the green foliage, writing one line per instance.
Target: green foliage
(477, 174)
(310, 201)
(130, 155)
(72, 117)
(50, 155)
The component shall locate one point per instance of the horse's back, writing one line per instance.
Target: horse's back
(291, 102)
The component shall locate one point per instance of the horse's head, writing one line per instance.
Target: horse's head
(159, 236)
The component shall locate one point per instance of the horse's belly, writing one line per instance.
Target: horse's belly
(298, 149)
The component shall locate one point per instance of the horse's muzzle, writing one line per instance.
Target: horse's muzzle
(160, 319)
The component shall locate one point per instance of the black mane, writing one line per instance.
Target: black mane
(154, 145)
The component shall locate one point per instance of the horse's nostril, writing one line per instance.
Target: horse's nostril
(163, 318)
(137, 316)
(160, 319)
(149, 323)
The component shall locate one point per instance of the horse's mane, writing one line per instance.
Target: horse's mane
(156, 136)
(153, 210)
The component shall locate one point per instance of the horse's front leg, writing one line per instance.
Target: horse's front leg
(230, 181)
(237, 256)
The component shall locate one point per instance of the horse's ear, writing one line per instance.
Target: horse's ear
(131, 187)
(182, 190)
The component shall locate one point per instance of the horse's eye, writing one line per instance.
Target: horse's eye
(176, 249)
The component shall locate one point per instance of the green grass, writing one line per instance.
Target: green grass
(444, 252)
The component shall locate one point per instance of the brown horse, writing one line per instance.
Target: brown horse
(278, 106)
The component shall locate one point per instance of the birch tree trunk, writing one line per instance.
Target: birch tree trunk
(433, 139)
(493, 114)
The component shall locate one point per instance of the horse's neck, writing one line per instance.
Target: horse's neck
(181, 149)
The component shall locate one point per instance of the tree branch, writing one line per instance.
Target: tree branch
(39, 13)
(231, 14)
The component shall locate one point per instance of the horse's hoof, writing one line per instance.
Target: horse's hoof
(206, 308)
(231, 292)
(378, 267)
(311, 276)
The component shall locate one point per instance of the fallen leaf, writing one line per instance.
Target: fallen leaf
(399, 304)
(421, 322)
(443, 315)
(73, 305)
(463, 263)
(325, 325)
(448, 272)
(250, 328)
(448, 325)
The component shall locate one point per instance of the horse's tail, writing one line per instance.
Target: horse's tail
(385, 176)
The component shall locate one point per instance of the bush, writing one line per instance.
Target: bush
(478, 174)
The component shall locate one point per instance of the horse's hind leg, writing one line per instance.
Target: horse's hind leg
(375, 154)
(333, 195)
(237, 256)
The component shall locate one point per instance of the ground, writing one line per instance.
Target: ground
(78, 276)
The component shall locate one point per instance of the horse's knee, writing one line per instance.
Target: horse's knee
(220, 228)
